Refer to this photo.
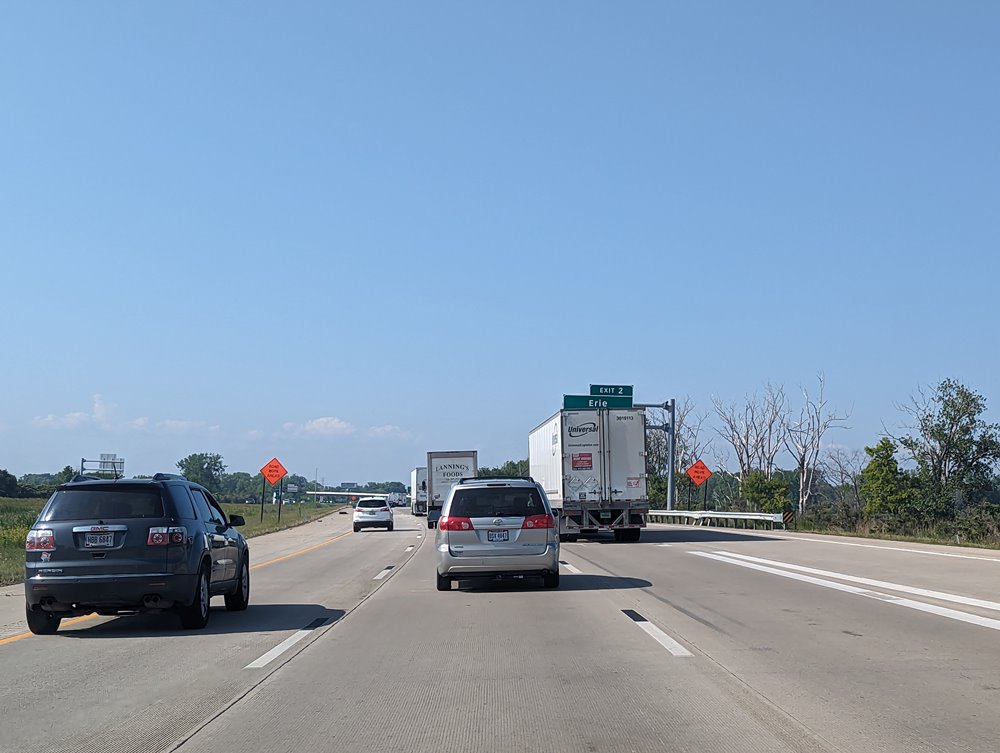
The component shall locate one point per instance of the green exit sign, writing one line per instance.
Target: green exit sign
(594, 402)
(611, 390)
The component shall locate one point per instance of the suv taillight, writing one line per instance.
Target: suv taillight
(452, 523)
(40, 541)
(164, 536)
(383, 509)
(539, 521)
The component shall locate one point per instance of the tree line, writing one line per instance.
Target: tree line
(936, 475)
(205, 468)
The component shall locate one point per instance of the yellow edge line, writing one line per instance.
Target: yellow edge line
(300, 551)
(94, 615)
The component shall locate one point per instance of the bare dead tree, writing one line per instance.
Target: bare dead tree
(755, 430)
(803, 438)
(842, 469)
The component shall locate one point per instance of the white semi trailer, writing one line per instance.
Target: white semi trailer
(592, 465)
(444, 470)
(418, 491)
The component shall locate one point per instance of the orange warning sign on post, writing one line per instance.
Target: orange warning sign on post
(699, 473)
(274, 471)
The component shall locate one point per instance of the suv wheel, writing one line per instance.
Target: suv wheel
(443, 584)
(551, 580)
(357, 528)
(195, 616)
(41, 622)
(238, 600)
(389, 527)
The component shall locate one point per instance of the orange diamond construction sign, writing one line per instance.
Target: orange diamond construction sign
(698, 473)
(274, 471)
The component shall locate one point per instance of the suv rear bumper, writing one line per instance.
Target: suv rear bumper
(81, 594)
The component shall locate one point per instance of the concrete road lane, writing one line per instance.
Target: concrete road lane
(862, 642)
(503, 668)
(139, 683)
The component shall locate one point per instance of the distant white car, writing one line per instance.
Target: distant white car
(372, 512)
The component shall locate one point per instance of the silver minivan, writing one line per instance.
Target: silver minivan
(497, 528)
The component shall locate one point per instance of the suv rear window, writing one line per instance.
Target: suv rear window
(100, 504)
(504, 502)
(372, 503)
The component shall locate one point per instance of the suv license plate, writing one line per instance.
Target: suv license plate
(98, 539)
(497, 536)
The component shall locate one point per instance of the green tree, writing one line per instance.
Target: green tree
(8, 484)
(885, 489)
(205, 468)
(765, 494)
(510, 468)
(66, 474)
(955, 449)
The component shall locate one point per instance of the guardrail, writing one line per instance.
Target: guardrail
(720, 519)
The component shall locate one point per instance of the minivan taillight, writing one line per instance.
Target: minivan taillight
(40, 541)
(164, 536)
(539, 521)
(452, 523)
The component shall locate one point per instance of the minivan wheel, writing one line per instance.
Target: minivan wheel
(41, 622)
(443, 584)
(238, 600)
(195, 615)
(551, 580)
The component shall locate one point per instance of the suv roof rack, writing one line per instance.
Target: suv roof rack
(81, 477)
(166, 476)
(484, 479)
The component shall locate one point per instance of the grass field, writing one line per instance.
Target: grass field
(17, 515)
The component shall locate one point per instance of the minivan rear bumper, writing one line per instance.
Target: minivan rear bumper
(81, 594)
(466, 566)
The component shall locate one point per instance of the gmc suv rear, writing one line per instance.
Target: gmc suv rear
(133, 545)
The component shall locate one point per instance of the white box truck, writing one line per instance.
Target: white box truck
(592, 465)
(418, 491)
(444, 470)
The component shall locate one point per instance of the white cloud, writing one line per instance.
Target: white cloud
(327, 426)
(388, 431)
(255, 434)
(66, 421)
(178, 426)
(136, 423)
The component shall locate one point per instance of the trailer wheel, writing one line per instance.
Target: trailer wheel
(619, 534)
(634, 534)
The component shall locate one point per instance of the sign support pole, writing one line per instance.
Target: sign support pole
(705, 503)
(263, 488)
(672, 453)
(281, 484)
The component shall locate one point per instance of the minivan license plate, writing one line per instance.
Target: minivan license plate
(99, 539)
(497, 536)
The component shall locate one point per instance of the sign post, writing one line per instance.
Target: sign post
(273, 471)
(699, 474)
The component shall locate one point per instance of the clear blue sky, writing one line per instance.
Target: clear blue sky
(346, 234)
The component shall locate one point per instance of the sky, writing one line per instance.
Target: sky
(344, 234)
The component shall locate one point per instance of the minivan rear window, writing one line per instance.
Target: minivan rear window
(104, 504)
(503, 502)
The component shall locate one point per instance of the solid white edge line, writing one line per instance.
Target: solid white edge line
(952, 614)
(409, 549)
(939, 595)
(278, 650)
(664, 544)
(789, 537)
(574, 570)
(663, 639)
(382, 574)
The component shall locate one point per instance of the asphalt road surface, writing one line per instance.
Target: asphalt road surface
(693, 640)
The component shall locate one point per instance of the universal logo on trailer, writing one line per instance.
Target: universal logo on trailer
(582, 429)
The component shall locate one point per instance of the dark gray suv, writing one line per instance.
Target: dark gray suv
(133, 545)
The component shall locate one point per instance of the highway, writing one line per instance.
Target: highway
(694, 639)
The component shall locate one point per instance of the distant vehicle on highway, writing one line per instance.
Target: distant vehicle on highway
(497, 528)
(133, 545)
(372, 512)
